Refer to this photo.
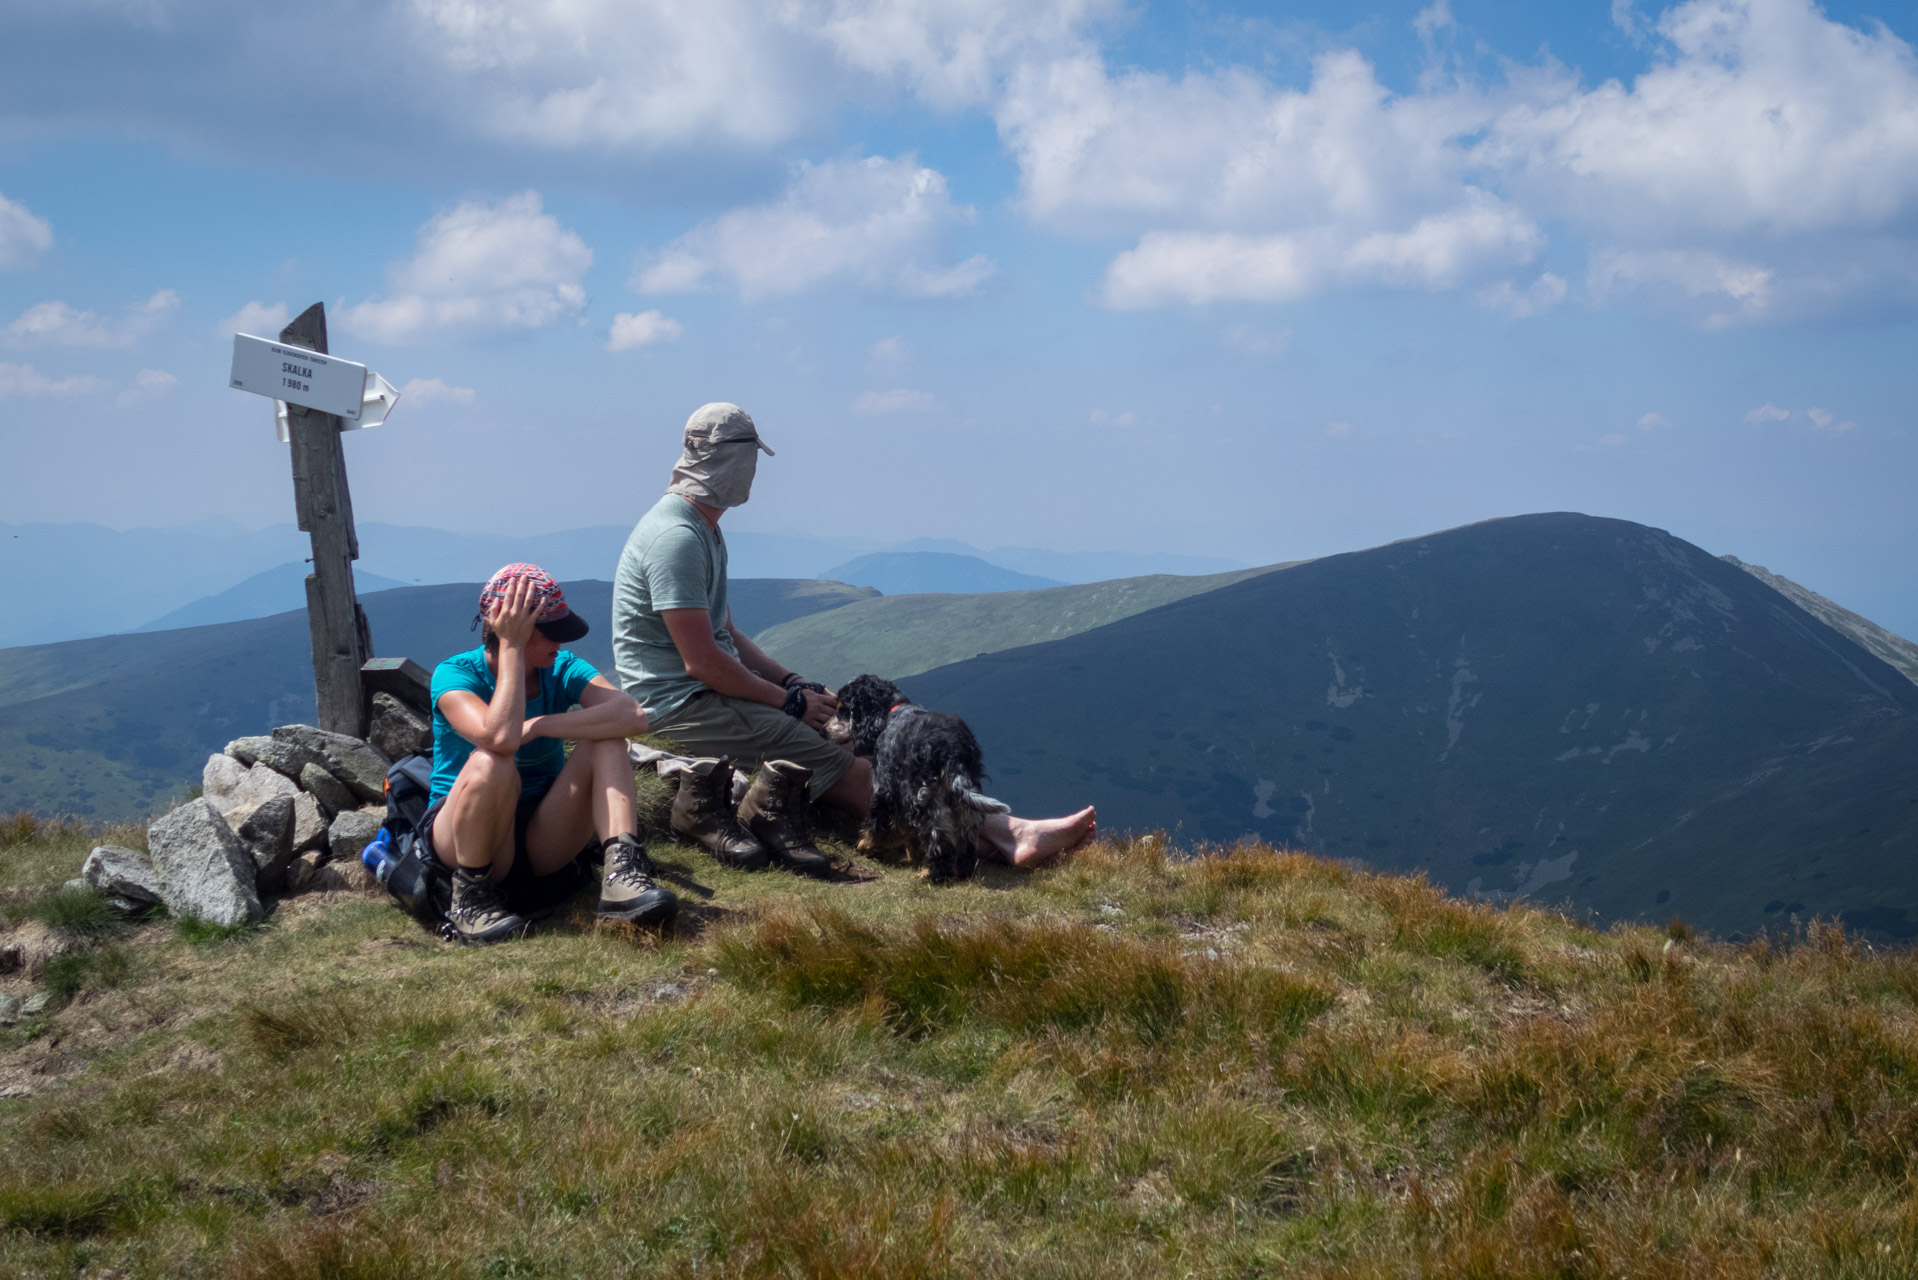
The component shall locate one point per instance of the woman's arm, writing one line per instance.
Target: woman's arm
(495, 726)
(605, 712)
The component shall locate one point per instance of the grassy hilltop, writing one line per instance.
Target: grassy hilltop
(1260, 1063)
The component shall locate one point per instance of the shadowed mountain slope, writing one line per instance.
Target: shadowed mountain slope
(896, 636)
(1557, 706)
(108, 726)
(1893, 648)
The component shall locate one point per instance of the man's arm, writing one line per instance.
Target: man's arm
(605, 712)
(712, 666)
(757, 660)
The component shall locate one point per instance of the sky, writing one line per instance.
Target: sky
(1252, 281)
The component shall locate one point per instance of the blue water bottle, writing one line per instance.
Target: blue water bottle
(378, 856)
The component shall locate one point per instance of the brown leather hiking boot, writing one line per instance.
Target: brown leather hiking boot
(703, 814)
(778, 810)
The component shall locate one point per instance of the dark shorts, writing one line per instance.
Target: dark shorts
(524, 891)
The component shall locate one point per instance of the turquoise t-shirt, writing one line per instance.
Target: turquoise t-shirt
(540, 760)
(673, 560)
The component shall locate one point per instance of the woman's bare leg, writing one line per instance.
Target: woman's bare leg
(474, 827)
(593, 796)
(1026, 842)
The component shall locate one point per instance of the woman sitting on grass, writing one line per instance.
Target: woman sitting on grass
(510, 812)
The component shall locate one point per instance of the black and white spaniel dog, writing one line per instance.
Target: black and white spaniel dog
(926, 774)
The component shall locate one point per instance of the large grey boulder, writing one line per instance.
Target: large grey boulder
(398, 730)
(309, 824)
(260, 784)
(219, 778)
(327, 789)
(247, 750)
(268, 836)
(205, 872)
(117, 872)
(352, 831)
(287, 759)
(358, 764)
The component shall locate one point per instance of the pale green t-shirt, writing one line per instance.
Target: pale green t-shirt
(673, 560)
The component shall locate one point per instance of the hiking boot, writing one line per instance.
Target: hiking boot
(628, 891)
(479, 914)
(778, 810)
(703, 814)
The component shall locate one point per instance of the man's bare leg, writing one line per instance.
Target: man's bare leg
(593, 796)
(1026, 842)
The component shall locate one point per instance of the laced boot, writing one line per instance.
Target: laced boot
(778, 810)
(628, 891)
(703, 814)
(478, 913)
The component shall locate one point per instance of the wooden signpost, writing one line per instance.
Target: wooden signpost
(341, 642)
(320, 397)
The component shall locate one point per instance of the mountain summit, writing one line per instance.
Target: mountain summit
(1555, 706)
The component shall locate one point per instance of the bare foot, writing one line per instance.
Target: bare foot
(1036, 839)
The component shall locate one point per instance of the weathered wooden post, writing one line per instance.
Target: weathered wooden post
(341, 642)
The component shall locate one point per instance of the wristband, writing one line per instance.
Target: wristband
(795, 703)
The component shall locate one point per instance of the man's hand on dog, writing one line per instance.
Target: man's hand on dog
(819, 709)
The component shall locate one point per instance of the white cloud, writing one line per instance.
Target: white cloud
(901, 401)
(1338, 429)
(261, 319)
(22, 380)
(641, 330)
(480, 269)
(656, 74)
(1101, 418)
(23, 237)
(1535, 299)
(1719, 290)
(1764, 165)
(1653, 422)
(1766, 413)
(876, 225)
(888, 355)
(425, 391)
(148, 385)
(55, 324)
(1827, 421)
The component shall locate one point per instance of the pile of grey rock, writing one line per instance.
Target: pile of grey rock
(278, 814)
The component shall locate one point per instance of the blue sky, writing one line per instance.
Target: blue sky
(1259, 281)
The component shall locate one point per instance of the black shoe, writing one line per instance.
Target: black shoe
(478, 913)
(628, 891)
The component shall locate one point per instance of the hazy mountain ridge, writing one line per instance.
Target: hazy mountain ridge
(1894, 649)
(919, 572)
(896, 636)
(116, 581)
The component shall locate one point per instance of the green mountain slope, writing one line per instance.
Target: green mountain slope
(896, 636)
(1552, 706)
(1888, 645)
(107, 727)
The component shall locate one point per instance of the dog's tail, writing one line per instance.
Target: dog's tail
(968, 795)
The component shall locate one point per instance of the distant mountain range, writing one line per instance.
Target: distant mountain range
(276, 590)
(1567, 708)
(108, 727)
(114, 581)
(897, 573)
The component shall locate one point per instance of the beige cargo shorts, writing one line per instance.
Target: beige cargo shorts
(712, 724)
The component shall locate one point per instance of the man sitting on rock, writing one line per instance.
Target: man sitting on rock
(510, 810)
(717, 694)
